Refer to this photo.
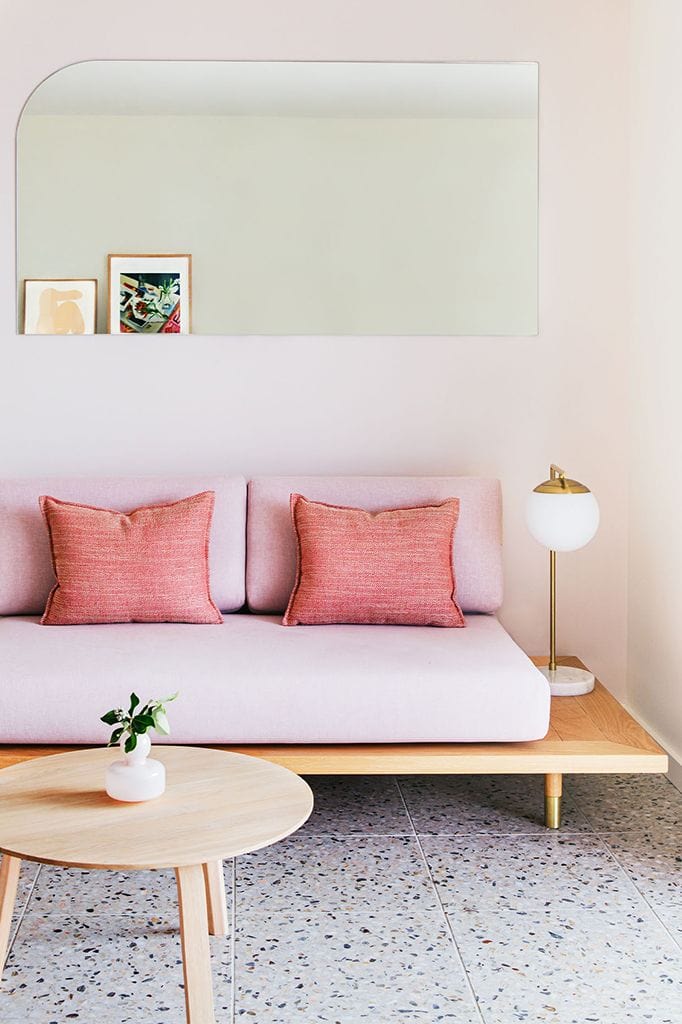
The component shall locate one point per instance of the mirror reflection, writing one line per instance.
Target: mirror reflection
(280, 198)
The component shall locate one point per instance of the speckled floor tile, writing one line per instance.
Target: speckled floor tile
(356, 805)
(78, 892)
(616, 803)
(335, 874)
(478, 804)
(347, 968)
(654, 863)
(341, 924)
(568, 974)
(552, 871)
(27, 877)
(103, 969)
(551, 931)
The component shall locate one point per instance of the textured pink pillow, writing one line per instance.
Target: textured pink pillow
(380, 568)
(148, 566)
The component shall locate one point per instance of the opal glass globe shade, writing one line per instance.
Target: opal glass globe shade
(562, 522)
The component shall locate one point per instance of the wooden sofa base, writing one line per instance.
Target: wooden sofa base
(592, 734)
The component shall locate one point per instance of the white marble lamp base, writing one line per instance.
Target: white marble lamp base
(568, 682)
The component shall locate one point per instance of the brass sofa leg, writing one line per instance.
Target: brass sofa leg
(553, 800)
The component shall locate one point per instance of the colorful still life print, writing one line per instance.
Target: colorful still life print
(150, 303)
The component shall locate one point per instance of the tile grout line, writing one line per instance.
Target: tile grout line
(642, 895)
(233, 944)
(448, 926)
(22, 914)
(443, 835)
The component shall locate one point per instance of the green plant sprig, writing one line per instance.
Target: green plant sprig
(134, 722)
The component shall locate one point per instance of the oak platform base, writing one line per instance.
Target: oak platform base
(588, 734)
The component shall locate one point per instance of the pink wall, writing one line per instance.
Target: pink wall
(654, 654)
(501, 406)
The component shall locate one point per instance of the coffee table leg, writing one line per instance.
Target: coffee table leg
(196, 954)
(9, 880)
(215, 898)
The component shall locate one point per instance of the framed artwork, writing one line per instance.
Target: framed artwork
(60, 305)
(150, 294)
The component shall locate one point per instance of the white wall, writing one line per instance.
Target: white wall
(655, 579)
(502, 406)
(347, 225)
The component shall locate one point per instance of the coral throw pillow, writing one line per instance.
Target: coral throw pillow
(380, 568)
(148, 566)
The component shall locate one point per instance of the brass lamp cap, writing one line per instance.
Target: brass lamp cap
(561, 485)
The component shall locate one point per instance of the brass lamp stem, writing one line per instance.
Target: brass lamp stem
(552, 611)
(555, 473)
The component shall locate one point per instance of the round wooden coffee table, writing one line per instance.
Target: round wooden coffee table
(217, 805)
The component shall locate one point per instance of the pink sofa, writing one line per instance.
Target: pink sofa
(253, 680)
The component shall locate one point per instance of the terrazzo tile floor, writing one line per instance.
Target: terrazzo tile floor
(411, 899)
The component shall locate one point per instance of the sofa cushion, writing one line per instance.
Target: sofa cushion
(26, 574)
(271, 543)
(148, 566)
(382, 568)
(254, 681)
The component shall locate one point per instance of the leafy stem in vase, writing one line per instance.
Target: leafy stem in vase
(138, 720)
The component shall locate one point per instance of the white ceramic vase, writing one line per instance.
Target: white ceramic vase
(137, 777)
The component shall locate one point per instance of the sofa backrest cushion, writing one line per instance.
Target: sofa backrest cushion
(271, 542)
(26, 574)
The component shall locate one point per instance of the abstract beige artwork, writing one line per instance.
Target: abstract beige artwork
(60, 306)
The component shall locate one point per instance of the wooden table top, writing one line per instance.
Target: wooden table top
(217, 805)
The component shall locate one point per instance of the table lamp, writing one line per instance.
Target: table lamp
(562, 515)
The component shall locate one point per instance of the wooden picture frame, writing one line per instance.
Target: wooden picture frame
(150, 293)
(52, 307)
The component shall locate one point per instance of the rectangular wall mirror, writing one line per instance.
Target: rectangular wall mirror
(313, 198)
